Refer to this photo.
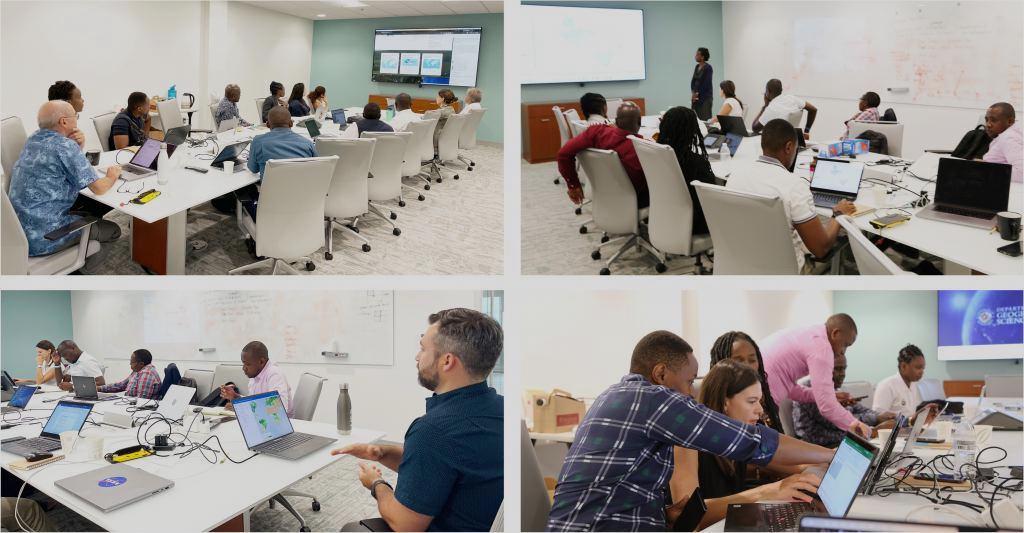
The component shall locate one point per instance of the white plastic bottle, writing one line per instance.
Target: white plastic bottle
(723, 153)
(163, 166)
(965, 449)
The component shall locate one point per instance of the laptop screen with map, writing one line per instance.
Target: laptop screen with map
(262, 418)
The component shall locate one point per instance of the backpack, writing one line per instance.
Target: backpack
(973, 145)
(171, 377)
(889, 115)
(877, 142)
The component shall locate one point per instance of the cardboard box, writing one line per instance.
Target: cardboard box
(556, 412)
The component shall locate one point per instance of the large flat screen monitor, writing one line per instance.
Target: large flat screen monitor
(439, 56)
(981, 325)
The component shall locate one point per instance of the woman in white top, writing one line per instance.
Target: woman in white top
(318, 102)
(473, 99)
(899, 393)
(732, 107)
(46, 359)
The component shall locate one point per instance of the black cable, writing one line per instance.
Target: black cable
(876, 180)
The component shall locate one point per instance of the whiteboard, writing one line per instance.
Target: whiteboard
(355, 327)
(953, 54)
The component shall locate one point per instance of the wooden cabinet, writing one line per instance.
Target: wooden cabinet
(540, 132)
(419, 105)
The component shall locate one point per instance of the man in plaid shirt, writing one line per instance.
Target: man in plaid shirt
(143, 382)
(620, 462)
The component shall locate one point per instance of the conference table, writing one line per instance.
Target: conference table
(205, 496)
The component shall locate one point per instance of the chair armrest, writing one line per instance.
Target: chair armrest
(62, 232)
(939, 151)
(375, 524)
(199, 131)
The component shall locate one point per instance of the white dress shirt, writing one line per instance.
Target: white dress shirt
(893, 394)
(782, 106)
(402, 119)
(86, 365)
(467, 107)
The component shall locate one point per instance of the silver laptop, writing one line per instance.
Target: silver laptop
(835, 180)
(85, 389)
(67, 416)
(172, 407)
(267, 429)
(969, 193)
(228, 124)
(143, 164)
(21, 397)
(114, 486)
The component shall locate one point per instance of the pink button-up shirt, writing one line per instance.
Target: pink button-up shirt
(1008, 148)
(272, 378)
(795, 353)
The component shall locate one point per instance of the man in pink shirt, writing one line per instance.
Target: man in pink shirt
(1007, 144)
(263, 375)
(811, 350)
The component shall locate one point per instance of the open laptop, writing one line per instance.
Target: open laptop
(67, 416)
(835, 180)
(7, 386)
(835, 494)
(314, 130)
(176, 136)
(919, 423)
(175, 401)
(21, 397)
(114, 486)
(878, 468)
(266, 428)
(969, 193)
(338, 116)
(733, 125)
(231, 152)
(227, 124)
(85, 389)
(143, 163)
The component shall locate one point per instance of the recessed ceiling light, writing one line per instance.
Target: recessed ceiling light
(350, 3)
(321, 15)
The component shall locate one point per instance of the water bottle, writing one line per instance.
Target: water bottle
(163, 166)
(723, 153)
(172, 93)
(965, 448)
(344, 411)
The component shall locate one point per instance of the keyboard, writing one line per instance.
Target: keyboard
(37, 444)
(961, 211)
(827, 199)
(784, 516)
(293, 439)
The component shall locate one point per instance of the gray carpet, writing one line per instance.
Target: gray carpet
(458, 229)
(552, 243)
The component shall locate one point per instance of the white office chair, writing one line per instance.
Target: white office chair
(13, 142)
(614, 204)
(226, 125)
(410, 157)
(577, 126)
(563, 132)
(386, 175)
(893, 132)
(574, 126)
(290, 213)
(498, 525)
(170, 114)
(1005, 386)
(757, 243)
(304, 402)
(571, 114)
(858, 389)
(213, 112)
(870, 260)
(421, 142)
(931, 389)
(534, 501)
(259, 108)
(348, 196)
(467, 139)
(102, 124)
(426, 150)
(14, 258)
(448, 145)
(613, 108)
(795, 117)
(786, 417)
(670, 216)
(203, 379)
(224, 373)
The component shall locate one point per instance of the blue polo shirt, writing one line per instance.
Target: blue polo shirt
(278, 143)
(126, 124)
(453, 464)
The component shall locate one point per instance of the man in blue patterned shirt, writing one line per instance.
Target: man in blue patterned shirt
(228, 107)
(620, 461)
(48, 175)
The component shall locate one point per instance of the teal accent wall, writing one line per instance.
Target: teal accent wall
(888, 320)
(343, 60)
(672, 33)
(27, 317)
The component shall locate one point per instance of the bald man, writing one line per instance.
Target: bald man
(227, 108)
(607, 137)
(279, 143)
(1007, 144)
(47, 177)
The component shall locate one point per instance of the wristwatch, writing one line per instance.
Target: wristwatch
(373, 487)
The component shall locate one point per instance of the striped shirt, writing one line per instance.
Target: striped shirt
(868, 115)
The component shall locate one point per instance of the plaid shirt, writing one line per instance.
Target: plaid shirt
(868, 115)
(619, 464)
(142, 384)
(810, 426)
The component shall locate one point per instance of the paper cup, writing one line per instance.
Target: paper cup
(982, 434)
(68, 439)
(883, 435)
(229, 167)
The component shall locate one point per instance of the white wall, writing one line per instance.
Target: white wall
(383, 398)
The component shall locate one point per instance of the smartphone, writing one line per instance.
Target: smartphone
(1012, 249)
(146, 196)
(888, 221)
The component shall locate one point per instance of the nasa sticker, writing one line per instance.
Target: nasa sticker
(115, 481)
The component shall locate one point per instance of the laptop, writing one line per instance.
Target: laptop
(177, 136)
(114, 486)
(7, 386)
(143, 163)
(835, 494)
(267, 430)
(175, 401)
(231, 152)
(20, 399)
(67, 416)
(969, 193)
(835, 180)
(915, 431)
(338, 116)
(85, 389)
(228, 124)
(733, 125)
(883, 458)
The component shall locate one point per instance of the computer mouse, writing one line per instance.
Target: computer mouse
(38, 457)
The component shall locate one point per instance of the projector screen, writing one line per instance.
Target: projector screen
(445, 56)
(581, 44)
(981, 325)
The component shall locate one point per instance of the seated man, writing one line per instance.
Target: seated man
(143, 382)
(403, 112)
(227, 109)
(67, 91)
(264, 376)
(607, 137)
(47, 177)
(473, 99)
(77, 363)
(778, 105)
(595, 108)
(618, 466)
(279, 143)
(868, 111)
(371, 120)
(1007, 144)
(772, 174)
(811, 426)
(275, 99)
(131, 126)
(451, 465)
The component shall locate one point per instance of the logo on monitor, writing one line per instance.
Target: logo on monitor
(985, 317)
(115, 481)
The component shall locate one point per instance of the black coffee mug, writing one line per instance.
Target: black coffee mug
(93, 156)
(1008, 223)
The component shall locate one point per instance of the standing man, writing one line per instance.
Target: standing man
(812, 350)
(264, 376)
(1007, 144)
(276, 98)
(227, 108)
(701, 92)
(451, 465)
(78, 363)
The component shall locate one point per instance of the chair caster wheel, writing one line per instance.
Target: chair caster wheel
(579, 210)
(366, 247)
(456, 176)
(316, 506)
(310, 266)
(328, 256)
(606, 272)
(394, 215)
(556, 181)
(426, 187)
(396, 232)
(401, 204)
(421, 197)
(472, 163)
(353, 228)
(583, 229)
(439, 179)
(605, 239)
(660, 267)
(304, 528)
(595, 255)
(470, 168)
